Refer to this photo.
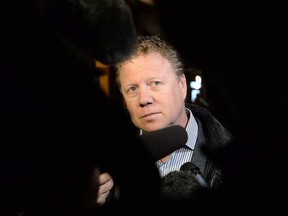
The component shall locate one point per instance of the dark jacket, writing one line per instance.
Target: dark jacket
(212, 136)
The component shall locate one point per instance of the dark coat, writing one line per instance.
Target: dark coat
(212, 137)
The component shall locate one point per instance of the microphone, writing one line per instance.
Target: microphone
(109, 34)
(163, 142)
(191, 167)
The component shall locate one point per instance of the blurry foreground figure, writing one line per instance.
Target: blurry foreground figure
(57, 126)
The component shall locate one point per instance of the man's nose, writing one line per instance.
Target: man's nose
(145, 97)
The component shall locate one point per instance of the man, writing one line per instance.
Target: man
(153, 85)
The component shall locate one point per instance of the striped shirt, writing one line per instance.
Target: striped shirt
(182, 155)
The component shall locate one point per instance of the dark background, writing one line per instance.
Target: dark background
(240, 49)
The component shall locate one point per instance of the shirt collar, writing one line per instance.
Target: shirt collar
(191, 129)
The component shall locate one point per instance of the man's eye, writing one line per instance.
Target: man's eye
(132, 89)
(155, 83)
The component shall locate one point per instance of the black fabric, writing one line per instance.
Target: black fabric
(198, 156)
(212, 137)
(56, 122)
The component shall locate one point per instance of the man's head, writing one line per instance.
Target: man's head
(153, 85)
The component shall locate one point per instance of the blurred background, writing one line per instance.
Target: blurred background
(234, 52)
(235, 55)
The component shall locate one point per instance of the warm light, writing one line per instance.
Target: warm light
(104, 78)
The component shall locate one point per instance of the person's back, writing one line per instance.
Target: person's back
(56, 123)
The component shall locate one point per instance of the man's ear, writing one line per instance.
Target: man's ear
(183, 85)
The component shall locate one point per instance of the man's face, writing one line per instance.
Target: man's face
(153, 94)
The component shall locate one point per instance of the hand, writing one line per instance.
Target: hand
(106, 183)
